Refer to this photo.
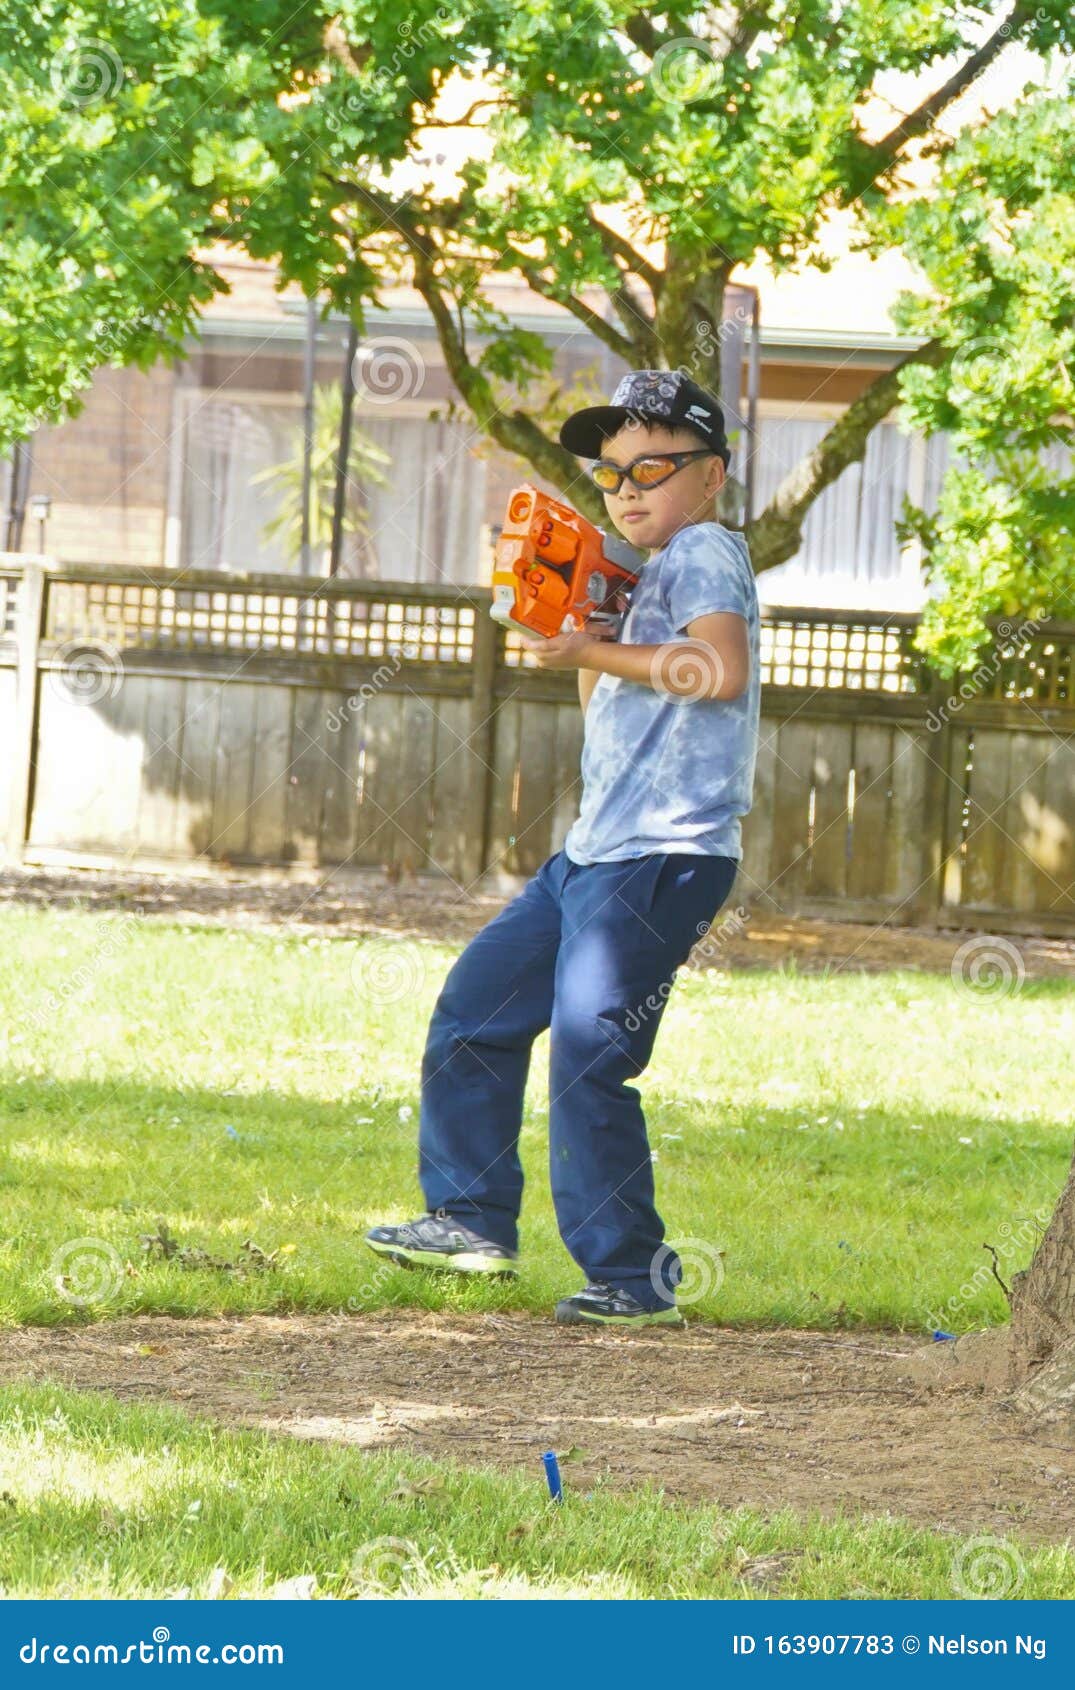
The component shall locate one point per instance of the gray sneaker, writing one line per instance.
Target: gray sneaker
(441, 1242)
(601, 1304)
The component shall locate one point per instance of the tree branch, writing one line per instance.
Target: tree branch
(617, 246)
(640, 323)
(598, 326)
(741, 26)
(394, 211)
(640, 30)
(639, 344)
(776, 534)
(462, 122)
(513, 430)
(881, 154)
(337, 46)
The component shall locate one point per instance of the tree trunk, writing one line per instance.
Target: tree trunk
(1042, 1340)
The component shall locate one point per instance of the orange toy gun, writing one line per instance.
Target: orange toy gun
(554, 571)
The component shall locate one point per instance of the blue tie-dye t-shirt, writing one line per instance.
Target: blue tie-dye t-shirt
(662, 772)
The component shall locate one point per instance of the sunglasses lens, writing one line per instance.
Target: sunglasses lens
(649, 471)
(605, 477)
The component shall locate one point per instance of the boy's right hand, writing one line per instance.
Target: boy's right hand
(602, 630)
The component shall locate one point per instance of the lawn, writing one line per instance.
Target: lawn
(847, 1142)
(201, 1119)
(101, 1499)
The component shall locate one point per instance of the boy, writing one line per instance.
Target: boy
(671, 722)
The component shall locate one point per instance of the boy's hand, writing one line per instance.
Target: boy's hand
(563, 651)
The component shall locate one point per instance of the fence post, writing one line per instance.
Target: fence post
(28, 618)
(927, 900)
(481, 738)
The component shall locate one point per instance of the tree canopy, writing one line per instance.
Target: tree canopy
(623, 163)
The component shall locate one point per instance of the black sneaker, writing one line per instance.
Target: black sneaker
(440, 1241)
(599, 1304)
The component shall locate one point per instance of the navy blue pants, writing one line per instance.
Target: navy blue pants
(591, 952)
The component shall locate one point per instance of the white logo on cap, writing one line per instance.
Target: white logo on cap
(699, 411)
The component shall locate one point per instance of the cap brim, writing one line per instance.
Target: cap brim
(584, 433)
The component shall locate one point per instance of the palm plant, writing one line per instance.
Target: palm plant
(365, 468)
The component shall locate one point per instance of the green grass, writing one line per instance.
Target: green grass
(98, 1498)
(241, 1085)
(244, 1085)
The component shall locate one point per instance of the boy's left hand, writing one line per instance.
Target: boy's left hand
(563, 651)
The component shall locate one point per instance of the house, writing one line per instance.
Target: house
(163, 467)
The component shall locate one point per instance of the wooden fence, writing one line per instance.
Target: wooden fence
(163, 717)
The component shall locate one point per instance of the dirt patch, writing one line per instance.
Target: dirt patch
(845, 1422)
(359, 904)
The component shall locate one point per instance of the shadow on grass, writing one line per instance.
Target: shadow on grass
(264, 1199)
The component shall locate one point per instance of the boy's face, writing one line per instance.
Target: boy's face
(649, 516)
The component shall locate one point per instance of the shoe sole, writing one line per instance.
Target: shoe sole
(656, 1317)
(464, 1261)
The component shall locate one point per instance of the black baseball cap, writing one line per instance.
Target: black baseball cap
(661, 396)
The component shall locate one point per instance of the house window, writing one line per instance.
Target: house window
(425, 525)
(850, 555)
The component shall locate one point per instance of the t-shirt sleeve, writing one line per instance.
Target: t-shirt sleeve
(704, 575)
